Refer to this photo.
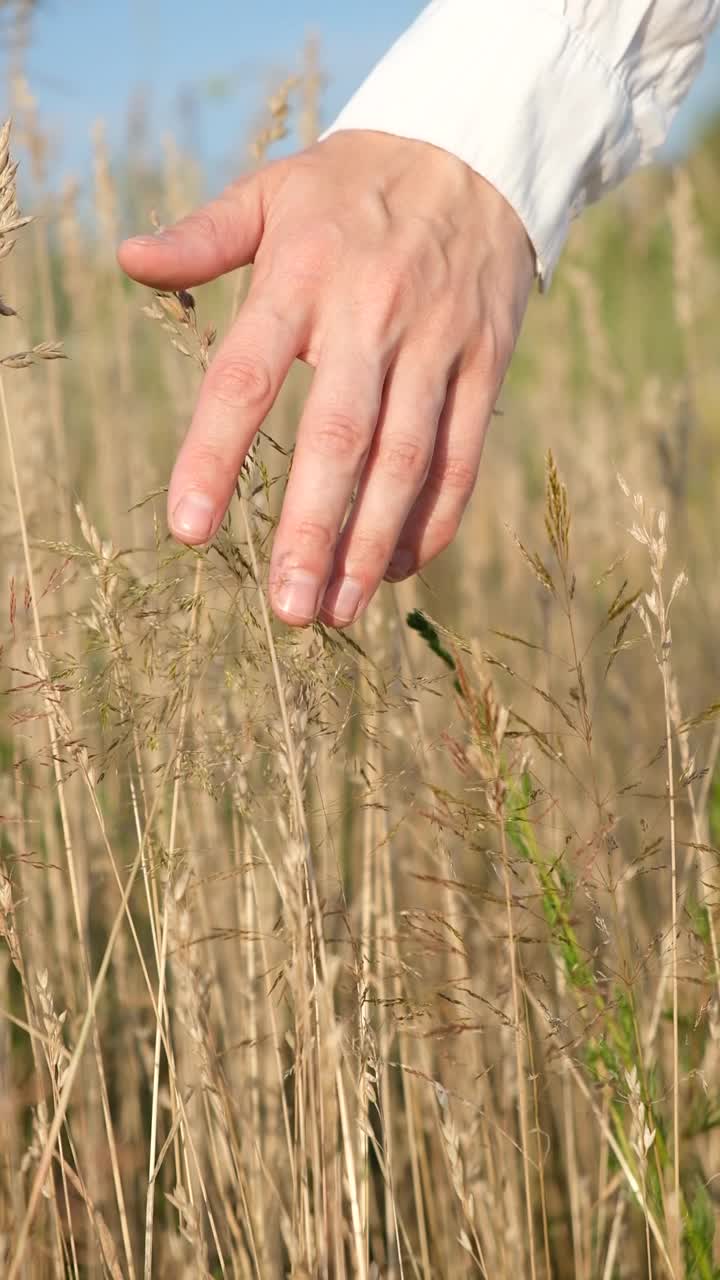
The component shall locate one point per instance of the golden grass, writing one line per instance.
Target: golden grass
(389, 954)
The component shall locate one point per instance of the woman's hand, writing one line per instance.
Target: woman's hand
(402, 277)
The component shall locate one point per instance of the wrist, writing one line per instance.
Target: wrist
(531, 114)
(421, 178)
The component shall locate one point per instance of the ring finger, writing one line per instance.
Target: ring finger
(393, 477)
(435, 517)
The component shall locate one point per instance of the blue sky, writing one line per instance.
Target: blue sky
(89, 56)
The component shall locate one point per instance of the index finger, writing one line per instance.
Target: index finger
(238, 392)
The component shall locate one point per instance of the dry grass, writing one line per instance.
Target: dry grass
(390, 954)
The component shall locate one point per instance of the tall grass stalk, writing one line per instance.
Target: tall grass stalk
(390, 952)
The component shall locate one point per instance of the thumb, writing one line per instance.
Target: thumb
(218, 237)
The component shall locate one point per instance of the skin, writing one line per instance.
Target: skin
(402, 278)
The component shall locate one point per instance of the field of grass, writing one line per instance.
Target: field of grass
(391, 953)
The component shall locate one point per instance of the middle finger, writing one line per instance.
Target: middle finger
(395, 472)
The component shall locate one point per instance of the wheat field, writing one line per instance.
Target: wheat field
(388, 953)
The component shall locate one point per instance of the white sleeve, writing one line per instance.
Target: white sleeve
(552, 101)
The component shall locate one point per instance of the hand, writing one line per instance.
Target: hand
(402, 277)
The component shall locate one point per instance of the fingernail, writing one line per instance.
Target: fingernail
(297, 595)
(147, 242)
(193, 517)
(343, 600)
(400, 566)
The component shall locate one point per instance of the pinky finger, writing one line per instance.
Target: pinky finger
(438, 510)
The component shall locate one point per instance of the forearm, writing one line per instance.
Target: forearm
(552, 101)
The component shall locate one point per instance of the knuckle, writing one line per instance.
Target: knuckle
(203, 224)
(459, 476)
(455, 475)
(241, 382)
(489, 346)
(392, 274)
(207, 461)
(388, 287)
(340, 436)
(297, 265)
(312, 534)
(370, 552)
(494, 349)
(318, 248)
(405, 457)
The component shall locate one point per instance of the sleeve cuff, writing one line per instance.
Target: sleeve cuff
(513, 90)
